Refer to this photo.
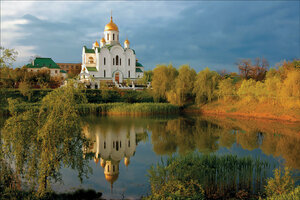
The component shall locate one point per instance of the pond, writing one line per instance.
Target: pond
(123, 148)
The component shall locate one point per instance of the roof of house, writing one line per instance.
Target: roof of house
(92, 69)
(138, 70)
(138, 64)
(88, 50)
(43, 62)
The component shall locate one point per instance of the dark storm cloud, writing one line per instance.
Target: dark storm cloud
(212, 34)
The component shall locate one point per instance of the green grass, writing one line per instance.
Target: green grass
(127, 108)
(220, 177)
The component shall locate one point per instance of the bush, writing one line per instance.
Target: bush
(282, 183)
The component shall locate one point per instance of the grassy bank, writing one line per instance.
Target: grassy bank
(128, 109)
(249, 109)
(198, 176)
(108, 108)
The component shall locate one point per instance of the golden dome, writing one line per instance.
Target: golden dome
(127, 41)
(103, 40)
(96, 160)
(102, 163)
(96, 44)
(111, 178)
(111, 26)
(126, 161)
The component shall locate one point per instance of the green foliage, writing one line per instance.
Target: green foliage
(8, 56)
(25, 90)
(226, 89)
(292, 195)
(163, 80)
(126, 108)
(220, 176)
(282, 183)
(184, 85)
(41, 141)
(205, 87)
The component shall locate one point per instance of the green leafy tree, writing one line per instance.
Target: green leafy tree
(184, 85)
(282, 183)
(205, 87)
(25, 90)
(41, 142)
(226, 89)
(8, 57)
(163, 80)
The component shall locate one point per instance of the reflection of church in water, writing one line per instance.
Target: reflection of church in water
(110, 147)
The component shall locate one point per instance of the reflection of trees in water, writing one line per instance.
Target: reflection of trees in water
(186, 135)
(208, 135)
(272, 137)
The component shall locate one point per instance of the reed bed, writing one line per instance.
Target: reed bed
(220, 176)
(128, 109)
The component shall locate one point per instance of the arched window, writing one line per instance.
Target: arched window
(104, 61)
(113, 168)
(91, 60)
(104, 145)
(113, 36)
(128, 61)
(117, 60)
(128, 143)
(120, 61)
(113, 61)
(104, 73)
(128, 74)
(107, 168)
(107, 36)
(120, 144)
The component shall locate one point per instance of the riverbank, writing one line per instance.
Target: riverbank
(255, 110)
(108, 108)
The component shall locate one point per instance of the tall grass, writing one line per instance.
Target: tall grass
(128, 109)
(220, 176)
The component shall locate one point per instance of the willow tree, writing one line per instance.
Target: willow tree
(205, 86)
(41, 142)
(184, 85)
(163, 80)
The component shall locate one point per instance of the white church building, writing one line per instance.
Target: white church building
(109, 61)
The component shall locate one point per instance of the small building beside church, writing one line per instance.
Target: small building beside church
(109, 61)
(40, 64)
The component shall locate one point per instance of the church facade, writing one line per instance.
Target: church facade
(110, 61)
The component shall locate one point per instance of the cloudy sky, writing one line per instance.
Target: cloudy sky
(212, 34)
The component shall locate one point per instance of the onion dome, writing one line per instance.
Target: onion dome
(126, 161)
(111, 178)
(96, 44)
(111, 26)
(102, 162)
(127, 41)
(102, 40)
(96, 160)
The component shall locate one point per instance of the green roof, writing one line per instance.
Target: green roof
(109, 46)
(138, 70)
(138, 64)
(43, 62)
(133, 51)
(92, 69)
(88, 50)
(62, 71)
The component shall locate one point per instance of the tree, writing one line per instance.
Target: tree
(42, 141)
(184, 85)
(8, 57)
(226, 88)
(25, 89)
(205, 86)
(163, 80)
(245, 67)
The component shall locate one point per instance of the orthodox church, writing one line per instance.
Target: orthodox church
(109, 61)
